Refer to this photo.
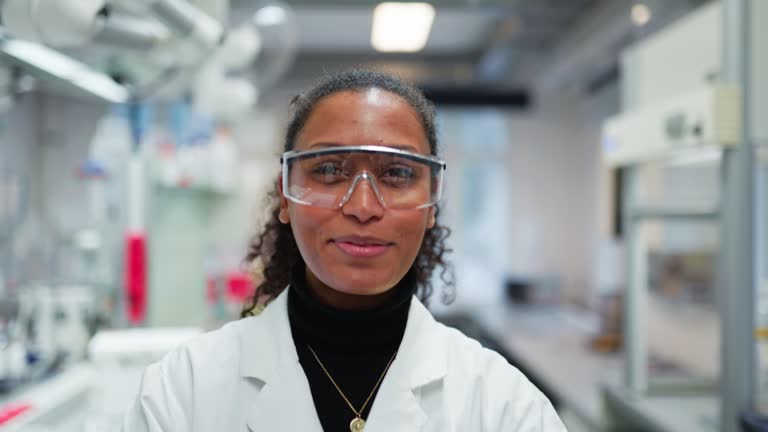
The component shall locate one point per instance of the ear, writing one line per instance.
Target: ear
(283, 215)
(431, 218)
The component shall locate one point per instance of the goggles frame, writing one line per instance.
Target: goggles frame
(434, 162)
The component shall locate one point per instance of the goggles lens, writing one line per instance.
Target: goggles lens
(328, 177)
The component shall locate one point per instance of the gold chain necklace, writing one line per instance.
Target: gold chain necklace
(357, 424)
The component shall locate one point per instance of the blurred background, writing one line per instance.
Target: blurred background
(607, 189)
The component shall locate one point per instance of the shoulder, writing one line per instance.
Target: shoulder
(243, 346)
(206, 361)
(175, 392)
(468, 357)
(218, 349)
(464, 357)
(508, 399)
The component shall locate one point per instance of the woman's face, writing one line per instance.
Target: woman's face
(328, 239)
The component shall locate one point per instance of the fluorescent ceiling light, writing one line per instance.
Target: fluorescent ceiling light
(401, 27)
(55, 65)
(641, 14)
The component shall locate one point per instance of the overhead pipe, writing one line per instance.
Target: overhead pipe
(62, 23)
(124, 31)
(187, 21)
(50, 64)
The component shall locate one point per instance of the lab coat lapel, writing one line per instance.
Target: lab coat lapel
(284, 404)
(284, 400)
(269, 362)
(420, 361)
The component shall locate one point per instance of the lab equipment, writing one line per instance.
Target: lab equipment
(12, 351)
(90, 396)
(709, 120)
(57, 323)
(74, 23)
(703, 118)
(163, 48)
(42, 330)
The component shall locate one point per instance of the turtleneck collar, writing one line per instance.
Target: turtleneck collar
(316, 323)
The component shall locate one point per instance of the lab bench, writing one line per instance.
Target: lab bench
(92, 395)
(81, 398)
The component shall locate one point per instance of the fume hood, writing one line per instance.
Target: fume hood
(684, 143)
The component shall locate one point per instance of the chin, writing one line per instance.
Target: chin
(362, 283)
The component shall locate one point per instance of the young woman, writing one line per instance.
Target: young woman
(345, 342)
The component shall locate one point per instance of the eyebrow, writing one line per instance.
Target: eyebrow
(411, 149)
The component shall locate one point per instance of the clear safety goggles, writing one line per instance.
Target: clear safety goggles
(328, 177)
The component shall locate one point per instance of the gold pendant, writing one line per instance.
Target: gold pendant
(357, 424)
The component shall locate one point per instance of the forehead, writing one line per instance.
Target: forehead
(366, 117)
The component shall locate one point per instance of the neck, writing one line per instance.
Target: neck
(315, 321)
(340, 300)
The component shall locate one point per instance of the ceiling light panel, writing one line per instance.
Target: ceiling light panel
(401, 27)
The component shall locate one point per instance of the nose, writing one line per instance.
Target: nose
(363, 202)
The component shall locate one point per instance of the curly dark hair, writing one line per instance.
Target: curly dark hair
(275, 247)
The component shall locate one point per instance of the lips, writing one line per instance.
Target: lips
(361, 246)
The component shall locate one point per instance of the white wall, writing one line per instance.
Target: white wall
(475, 205)
(676, 60)
(555, 179)
(554, 203)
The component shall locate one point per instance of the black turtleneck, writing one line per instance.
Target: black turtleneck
(355, 346)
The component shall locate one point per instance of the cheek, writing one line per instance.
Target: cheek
(308, 225)
(412, 229)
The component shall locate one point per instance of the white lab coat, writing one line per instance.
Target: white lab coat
(247, 377)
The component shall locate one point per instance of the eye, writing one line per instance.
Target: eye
(399, 175)
(327, 172)
(327, 168)
(401, 172)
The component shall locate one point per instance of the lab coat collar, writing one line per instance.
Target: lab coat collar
(268, 354)
(421, 360)
(421, 357)
(270, 363)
